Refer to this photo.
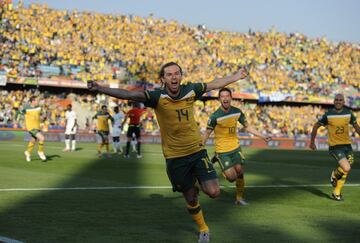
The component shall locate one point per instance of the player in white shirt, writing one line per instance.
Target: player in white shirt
(70, 129)
(116, 129)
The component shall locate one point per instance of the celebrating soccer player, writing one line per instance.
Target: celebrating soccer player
(224, 122)
(186, 158)
(337, 121)
(32, 113)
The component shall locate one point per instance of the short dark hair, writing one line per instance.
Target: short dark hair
(225, 89)
(162, 70)
(32, 98)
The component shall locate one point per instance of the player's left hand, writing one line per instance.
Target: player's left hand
(242, 73)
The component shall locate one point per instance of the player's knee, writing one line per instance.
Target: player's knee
(230, 178)
(347, 168)
(192, 202)
(213, 192)
(230, 175)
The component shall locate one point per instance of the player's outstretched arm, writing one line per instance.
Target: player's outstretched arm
(252, 130)
(357, 128)
(222, 82)
(205, 136)
(313, 136)
(117, 93)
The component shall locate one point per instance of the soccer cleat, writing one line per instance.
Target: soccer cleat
(241, 202)
(333, 179)
(66, 150)
(337, 197)
(204, 237)
(42, 156)
(27, 156)
(139, 156)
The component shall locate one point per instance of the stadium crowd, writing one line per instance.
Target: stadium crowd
(281, 121)
(37, 40)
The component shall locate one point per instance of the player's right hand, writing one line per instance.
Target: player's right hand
(312, 146)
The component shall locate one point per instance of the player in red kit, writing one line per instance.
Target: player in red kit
(134, 128)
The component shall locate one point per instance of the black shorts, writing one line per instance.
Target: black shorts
(184, 171)
(341, 151)
(104, 136)
(133, 129)
(33, 132)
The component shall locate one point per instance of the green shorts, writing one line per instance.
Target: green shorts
(184, 171)
(104, 136)
(342, 151)
(33, 132)
(229, 159)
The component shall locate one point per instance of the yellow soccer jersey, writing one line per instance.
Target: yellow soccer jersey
(224, 125)
(102, 121)
(338, 125)
(32, 117)
(180, 134)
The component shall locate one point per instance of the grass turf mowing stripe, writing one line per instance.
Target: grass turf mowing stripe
(155, 187)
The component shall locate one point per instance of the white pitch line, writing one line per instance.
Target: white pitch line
(153, 187)
(8, 240)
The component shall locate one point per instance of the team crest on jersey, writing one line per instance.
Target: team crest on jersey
(190, 100)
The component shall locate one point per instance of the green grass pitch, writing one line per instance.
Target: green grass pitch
(76, 197)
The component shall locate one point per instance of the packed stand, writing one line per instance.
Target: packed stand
(38, 41)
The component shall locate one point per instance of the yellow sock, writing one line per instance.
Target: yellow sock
(30, 147)
(340, 184)
(99, 147)
(338, 173)
(240, 188)
(41, 147)
(198, 217)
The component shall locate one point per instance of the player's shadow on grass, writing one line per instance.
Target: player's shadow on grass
(315, 191)
(311, 189)
(52, 157)
(126, 213)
